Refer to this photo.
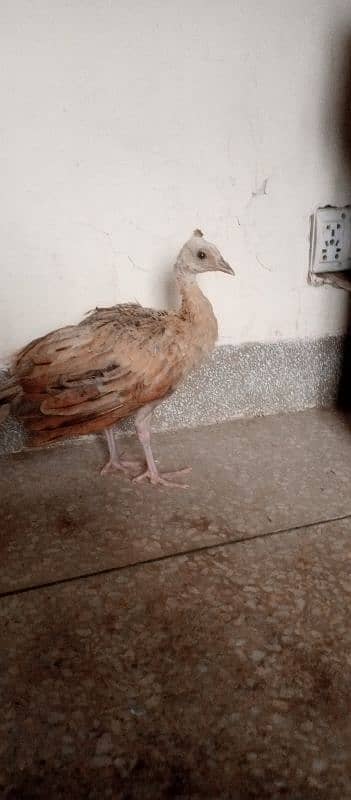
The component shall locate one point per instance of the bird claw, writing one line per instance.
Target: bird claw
(120, 466)
(163, 480)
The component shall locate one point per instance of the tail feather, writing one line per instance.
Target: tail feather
(5, 410)
(10, 392)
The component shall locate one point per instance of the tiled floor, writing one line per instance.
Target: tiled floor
(180, 644)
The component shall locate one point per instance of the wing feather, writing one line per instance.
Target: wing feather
(78, 378)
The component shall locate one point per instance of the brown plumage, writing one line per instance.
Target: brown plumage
(118, 361)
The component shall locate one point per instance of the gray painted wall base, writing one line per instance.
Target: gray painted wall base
(246, 380)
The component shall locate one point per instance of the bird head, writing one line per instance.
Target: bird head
(198, 255)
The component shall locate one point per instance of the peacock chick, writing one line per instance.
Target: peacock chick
(118, 362)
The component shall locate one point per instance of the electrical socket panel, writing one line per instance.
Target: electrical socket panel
(331, 240)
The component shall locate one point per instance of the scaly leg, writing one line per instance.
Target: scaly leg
(116, 462)
(142, 423)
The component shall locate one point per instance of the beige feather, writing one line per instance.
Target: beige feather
(89, 376)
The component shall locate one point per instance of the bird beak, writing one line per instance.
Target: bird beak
(225, 267)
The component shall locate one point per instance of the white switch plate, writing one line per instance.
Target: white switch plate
(331, 240)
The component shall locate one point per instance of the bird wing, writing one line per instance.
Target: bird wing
(123, 315)
(104, 368)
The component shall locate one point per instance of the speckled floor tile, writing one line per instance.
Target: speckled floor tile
(59, 517)
(222, 675)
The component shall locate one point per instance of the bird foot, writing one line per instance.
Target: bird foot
(120, 466)
(156, 479)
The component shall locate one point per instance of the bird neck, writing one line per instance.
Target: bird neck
(197, 314)
(193, 301)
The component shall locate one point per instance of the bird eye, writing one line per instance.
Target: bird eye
(201, 254)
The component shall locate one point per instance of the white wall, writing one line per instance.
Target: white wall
(125, 124)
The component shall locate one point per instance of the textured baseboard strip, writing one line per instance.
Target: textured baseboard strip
(246, 380)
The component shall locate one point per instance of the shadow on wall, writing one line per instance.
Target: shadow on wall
(339, 134)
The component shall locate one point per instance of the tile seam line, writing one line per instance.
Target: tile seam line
(167, 557)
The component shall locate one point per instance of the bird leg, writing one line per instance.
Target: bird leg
(142, 423)
(116, 462)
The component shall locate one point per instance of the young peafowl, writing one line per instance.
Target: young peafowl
(117, 362)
